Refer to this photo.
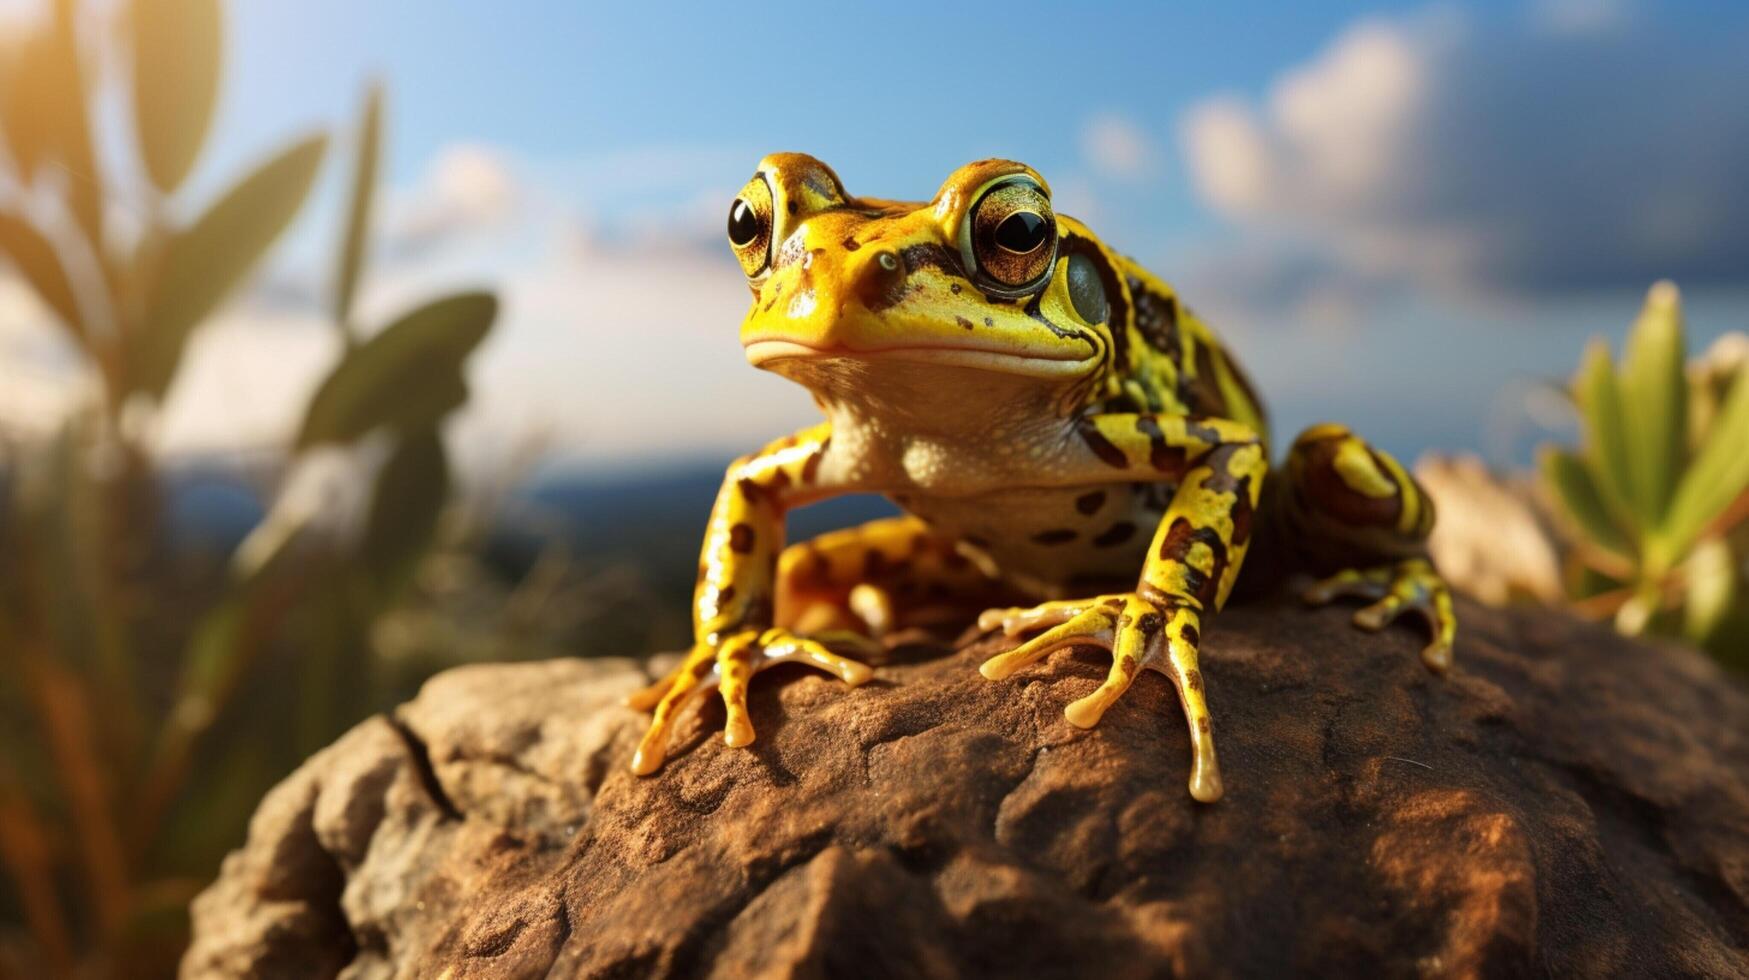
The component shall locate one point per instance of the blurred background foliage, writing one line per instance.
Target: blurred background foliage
(1643, 524)
(1652, 504)
(146, 705)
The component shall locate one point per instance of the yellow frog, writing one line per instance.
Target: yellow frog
(1050, 418)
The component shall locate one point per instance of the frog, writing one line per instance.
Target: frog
(1070, 447)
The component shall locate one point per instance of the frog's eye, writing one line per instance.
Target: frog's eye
(750, 226)
(1010, 236)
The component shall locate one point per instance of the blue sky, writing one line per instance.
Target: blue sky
(1400, 214)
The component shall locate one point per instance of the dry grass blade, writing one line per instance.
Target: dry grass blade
(67, 724)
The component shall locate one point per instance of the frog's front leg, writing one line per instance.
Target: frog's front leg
(732, 606)
(1218, 466)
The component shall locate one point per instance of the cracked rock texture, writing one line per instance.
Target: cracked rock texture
(1566, 802)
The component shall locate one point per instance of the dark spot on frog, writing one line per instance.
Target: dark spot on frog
(1115, 535)
(1060, 535)
(750, 490)
(975, 541)
(1190, 635)
(1088, 503)
(1102, 447)
(1175, 546)
(1193, 680)
(1157, 319)
(989, 322)
(932, 256)
(1165, 458)
(725, 594)
(1149, 624)
(963, 322)
(741, 538)
(792, 207)
(851, 244)
(954, 288)
(1242, 518)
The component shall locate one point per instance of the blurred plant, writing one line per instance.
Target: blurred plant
(1654, 502)
(124, 766)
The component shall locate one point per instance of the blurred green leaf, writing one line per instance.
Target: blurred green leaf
(177, 50)
(205, 261)
(1654, 393)
(1711, 574)
(208, 661)
(408, 498)
(1575, 491)
(1605, 440)
(406, 377)
(35, 258)
(364, 177)
(1718, 476)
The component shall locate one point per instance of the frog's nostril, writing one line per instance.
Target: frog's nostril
(882, 281)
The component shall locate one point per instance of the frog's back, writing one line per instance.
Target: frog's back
(1172, 362)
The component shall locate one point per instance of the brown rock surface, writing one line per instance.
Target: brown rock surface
(1566, 802)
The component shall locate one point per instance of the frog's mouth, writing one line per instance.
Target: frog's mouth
(763, 351)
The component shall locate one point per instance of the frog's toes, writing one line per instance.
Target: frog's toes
(1086, 621)
(1409, 586)
(727, 666)
(1158, 633)
(1014, 621)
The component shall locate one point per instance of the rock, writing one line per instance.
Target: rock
(1566, 802)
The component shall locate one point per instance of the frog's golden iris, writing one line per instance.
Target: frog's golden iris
(1036, 404)
(750, 227)
(1011, 237)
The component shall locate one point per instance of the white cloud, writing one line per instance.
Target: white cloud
(1581, 17)
(1491, 158)
(1115, 146)
(467, 189)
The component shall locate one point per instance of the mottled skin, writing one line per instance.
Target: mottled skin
(1050, 418)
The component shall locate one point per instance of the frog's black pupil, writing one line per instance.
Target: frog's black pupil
(1021, 232)
(743, 223)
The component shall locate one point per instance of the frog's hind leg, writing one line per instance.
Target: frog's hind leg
(1348, 511)
(871, 577)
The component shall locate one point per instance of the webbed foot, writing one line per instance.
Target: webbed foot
(727, 664)
(1412, 585)
(1157, 632)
